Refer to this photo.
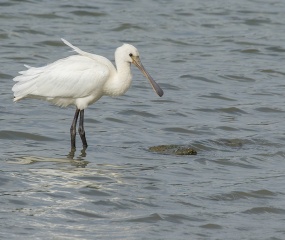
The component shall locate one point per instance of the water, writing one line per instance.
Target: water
(221, 65)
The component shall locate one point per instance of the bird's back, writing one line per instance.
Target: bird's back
(66, 80)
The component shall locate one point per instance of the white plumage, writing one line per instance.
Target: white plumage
(80, 80)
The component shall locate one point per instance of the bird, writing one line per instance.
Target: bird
(80, 80)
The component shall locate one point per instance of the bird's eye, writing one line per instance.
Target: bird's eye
(130, 54)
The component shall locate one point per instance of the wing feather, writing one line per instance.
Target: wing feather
(73, 77)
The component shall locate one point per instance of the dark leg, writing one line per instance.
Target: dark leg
(73, 128)
(81, 129)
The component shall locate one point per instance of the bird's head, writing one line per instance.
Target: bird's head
(130, 54)
(127, 53)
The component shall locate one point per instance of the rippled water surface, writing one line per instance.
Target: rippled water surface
(221, 65)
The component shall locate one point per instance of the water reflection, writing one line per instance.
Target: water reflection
(77, 162)
(71, 154)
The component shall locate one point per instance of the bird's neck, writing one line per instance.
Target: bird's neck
(120, 81)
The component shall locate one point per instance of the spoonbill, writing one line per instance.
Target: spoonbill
(81, 80)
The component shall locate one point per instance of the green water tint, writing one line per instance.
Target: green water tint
(173, 149)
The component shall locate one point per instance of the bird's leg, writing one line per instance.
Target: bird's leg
(73, 129)
(81, 129)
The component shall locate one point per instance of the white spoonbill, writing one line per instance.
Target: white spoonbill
(80, 80)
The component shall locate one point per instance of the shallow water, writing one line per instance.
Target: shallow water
(221, 65)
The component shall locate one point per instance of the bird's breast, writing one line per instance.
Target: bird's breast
(118, 85)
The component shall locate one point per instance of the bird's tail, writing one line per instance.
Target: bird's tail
(26, 83)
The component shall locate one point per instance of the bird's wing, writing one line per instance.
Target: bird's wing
(72, 77)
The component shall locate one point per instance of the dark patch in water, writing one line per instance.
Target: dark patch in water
(173, 149)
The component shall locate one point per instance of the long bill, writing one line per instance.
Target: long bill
(154, 85)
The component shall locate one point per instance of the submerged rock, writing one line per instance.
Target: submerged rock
(173, 149)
